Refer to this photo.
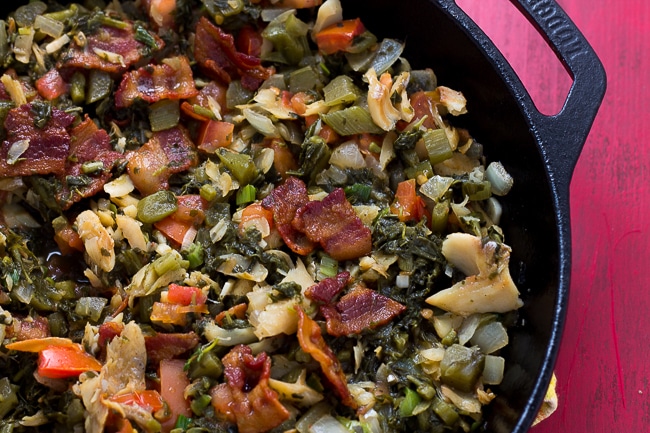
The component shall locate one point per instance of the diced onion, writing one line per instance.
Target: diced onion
(436, 187)
(120, 187)
(494, 210)
(500, 180)
(16, 150)
(24, 293)
(493, 370)
(305, 422)
(15, 90)
(57, 44)
(467, 329)
(402, 281)
(347, 155)
(49, 26)
(23, 46)
(16, 216)
(490, 337)
(261, 123)
(327, 424)
(329, 13)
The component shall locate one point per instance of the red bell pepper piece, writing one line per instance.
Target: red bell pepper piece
(339, 36)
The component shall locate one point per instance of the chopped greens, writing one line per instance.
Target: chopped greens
(226, 216)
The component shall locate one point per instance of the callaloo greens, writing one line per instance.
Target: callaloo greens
(241, 216)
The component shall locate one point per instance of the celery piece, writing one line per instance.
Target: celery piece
(99, 86)
(329, 267)
(341, 90)
(240, 165)
(445, 411)
(208, 192)
(437, 145)
(157, 206)
(288, 35)
(304, 80)
(406, 406)
(423, 168)
(245, 195)
(167, 263)
(351, 120)
(461, 367)
(78, 88)
(8, 396)
(90, 307)
(477, 191)
(439, 217)
(195, 255)
(164, 114)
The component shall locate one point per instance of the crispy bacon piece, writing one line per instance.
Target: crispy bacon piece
(218, 57)
(167, 152)
(284, 201)
(51, 85)
(107, 331)
(28, 328)
(311, 341)
(246, 398)
(48, 146)
(88, 144)
(333, 223)
(360, 309)
(167, 346)
(325, 290)
(171, 80)
(109, 39)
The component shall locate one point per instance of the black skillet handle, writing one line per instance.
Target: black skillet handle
(563, 135)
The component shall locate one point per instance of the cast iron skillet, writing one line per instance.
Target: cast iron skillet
(539, 151)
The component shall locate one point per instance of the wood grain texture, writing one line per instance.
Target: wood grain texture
(603, 367)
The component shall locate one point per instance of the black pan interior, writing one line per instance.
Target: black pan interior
(434, 39)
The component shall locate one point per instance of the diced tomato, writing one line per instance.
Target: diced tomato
(185, 295)
(283, 160)
(408, 206)
(215, 134)
(339, 36)
(150, 400)
(173, 381)
(59, 362)
(161, 12)
(365, 140)
(175, 314)
(326, 132)
(191, 211)
(50, 86)
(249, 41)
(254, 212)
(173, 229)
(423, 106)
(299, 102)
(68, 240)
(238, 311)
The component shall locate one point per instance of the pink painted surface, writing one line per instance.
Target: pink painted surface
(603, 368)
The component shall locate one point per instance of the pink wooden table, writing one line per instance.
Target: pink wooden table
(603, 368)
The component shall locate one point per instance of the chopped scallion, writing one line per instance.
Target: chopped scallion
(437, 145)
(164, 115)
(246, 195)
(406, 406)
(328, 266)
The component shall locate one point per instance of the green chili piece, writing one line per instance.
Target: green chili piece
(99, 86)
(329, 267)
(206, 364)
(157, 206)
(182, 422)
(351, 120)
(341, 90)
(199, 404)
(437, 145)
(90, 167)
(423, 168)
(90, 307)
(164, 114)
(195, 255)
(78, 88)
(461, 367)
(406, 406)
(57, 324)
(208, 192)
(240, 165)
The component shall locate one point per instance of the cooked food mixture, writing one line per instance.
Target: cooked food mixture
(240, 216)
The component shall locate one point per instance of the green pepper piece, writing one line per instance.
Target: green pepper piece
(240, 165)
(461, 367)
(157, 206)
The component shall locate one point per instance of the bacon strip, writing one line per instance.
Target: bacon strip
(333, 223)
(110, 39)
(284, 201)
(246, 398)
(358, 310)
(167, 346)
(312, 342)
(325, 290)
(88, 143)
(218, 57)
(48, 146)
(167, 152)
(171, 80)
